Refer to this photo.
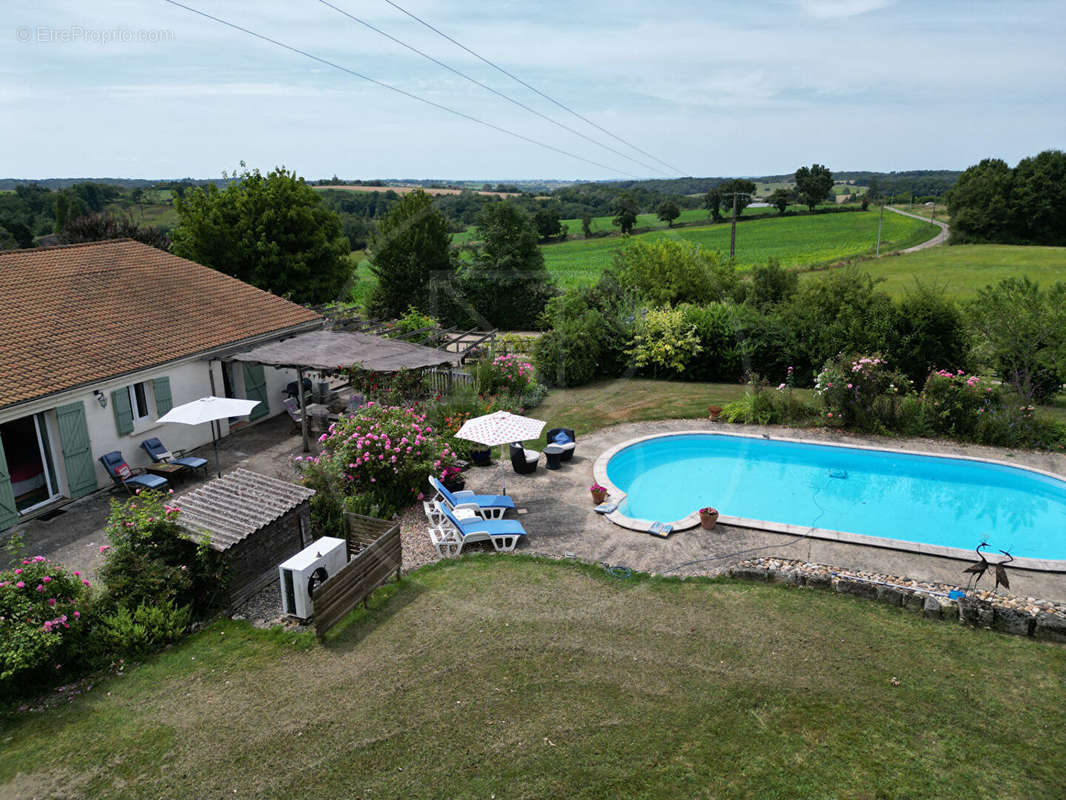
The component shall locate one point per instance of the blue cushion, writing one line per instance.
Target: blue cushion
(192, 462)
(562, 437)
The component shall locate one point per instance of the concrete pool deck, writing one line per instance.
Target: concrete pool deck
(560, 520)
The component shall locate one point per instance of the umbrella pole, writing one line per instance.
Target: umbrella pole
(214, 441)
(503, 473)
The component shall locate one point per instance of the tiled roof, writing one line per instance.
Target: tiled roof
(84, 313)
(237, 505)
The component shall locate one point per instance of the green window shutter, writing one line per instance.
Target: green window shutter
(9, 515)
(163, 400)
(120, 404)
(255, 389)
(77, 449)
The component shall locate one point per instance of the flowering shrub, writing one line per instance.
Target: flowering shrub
(665, 341)
(861, 391)
(506, 374)
(383, 453)
(151, 560)
(954, 402)
(42, 619)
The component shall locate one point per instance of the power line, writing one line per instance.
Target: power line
(488, 88)
(396, 89)
(531, 88)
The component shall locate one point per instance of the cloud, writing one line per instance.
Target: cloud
(832, 9)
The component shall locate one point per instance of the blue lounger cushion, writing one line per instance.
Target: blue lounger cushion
(493, 527)
(147, 481)
(483, 500)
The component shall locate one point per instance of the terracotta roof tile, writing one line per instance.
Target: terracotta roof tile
(84, 313)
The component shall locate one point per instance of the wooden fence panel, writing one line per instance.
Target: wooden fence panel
(375, 559)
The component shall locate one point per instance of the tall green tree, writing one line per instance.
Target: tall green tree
(411, 248)
(625, 208)
(743, 190)
(271, 231)
(978, 205)
(781, 199)
(549, 226)
(668, 212)
(712, 201)
(507, 285)
(1038, 199)
(813, 184)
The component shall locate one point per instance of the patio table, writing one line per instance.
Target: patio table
(552, 455)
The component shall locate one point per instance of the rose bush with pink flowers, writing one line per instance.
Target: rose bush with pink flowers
(42, 622)
(861, 391)
(376, 462)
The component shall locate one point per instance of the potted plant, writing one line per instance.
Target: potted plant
(708, 517)
(599, 493)
(714, 411)
(453, 479)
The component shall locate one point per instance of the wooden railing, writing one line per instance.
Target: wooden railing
(376, 553)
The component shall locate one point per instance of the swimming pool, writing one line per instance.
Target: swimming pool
(915, 498)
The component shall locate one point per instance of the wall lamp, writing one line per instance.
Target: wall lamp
(100, 398)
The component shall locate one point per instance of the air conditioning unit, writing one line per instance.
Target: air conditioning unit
(307, 570)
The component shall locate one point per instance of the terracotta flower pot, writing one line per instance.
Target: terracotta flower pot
(598, 496)
(708, 519)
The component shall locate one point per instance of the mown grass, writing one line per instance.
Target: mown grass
(963, 269)
(597, 405)
(795, 241)
(521, 678)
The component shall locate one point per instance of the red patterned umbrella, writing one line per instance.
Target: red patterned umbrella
(500, 428)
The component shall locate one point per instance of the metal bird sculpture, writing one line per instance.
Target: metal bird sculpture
(1001, 571)
(978, 568)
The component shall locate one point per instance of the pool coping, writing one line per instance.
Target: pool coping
(599, 470)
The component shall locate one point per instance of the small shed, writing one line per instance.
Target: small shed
(256, 520)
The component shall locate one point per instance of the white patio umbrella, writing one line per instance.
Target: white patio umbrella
(210, 409)
(500, 428)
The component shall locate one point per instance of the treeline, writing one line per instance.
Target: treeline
(1025, 205)
(75, 213)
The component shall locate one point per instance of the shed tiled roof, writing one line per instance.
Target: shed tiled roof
(83, 313)
(237, 505)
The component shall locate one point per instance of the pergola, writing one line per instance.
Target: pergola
(332, 351)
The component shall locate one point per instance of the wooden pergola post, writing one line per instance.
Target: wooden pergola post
(303, 409)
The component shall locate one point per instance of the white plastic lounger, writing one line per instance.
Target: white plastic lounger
(460, 527)
(486, 506)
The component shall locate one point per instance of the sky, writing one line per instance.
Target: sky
(146, 89)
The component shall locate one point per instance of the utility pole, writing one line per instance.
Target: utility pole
(733, 230)
(880, 222)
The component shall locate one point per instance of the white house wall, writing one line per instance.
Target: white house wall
(189, 380)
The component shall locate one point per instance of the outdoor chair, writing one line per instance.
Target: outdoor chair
(524, 461)
(564, 438)
(464, 526)
(292, 408)
(124, 475)
(160, 455)
(292, 390)
(486, 506)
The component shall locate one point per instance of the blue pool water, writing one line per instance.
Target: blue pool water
(944, 501)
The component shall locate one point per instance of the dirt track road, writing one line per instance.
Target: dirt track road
(939, 239)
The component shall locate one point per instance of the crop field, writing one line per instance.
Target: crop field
(159, 215)
(963, 269)
(646, 222)
(795, 241)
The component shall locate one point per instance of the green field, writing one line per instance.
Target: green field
(963, 269)
(509, 677)
(796, 241)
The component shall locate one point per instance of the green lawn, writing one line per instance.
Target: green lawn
(795, 241)
(963, 269)
(510, 677)
(597, 405)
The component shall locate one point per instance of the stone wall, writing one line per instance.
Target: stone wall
(1004, 614)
